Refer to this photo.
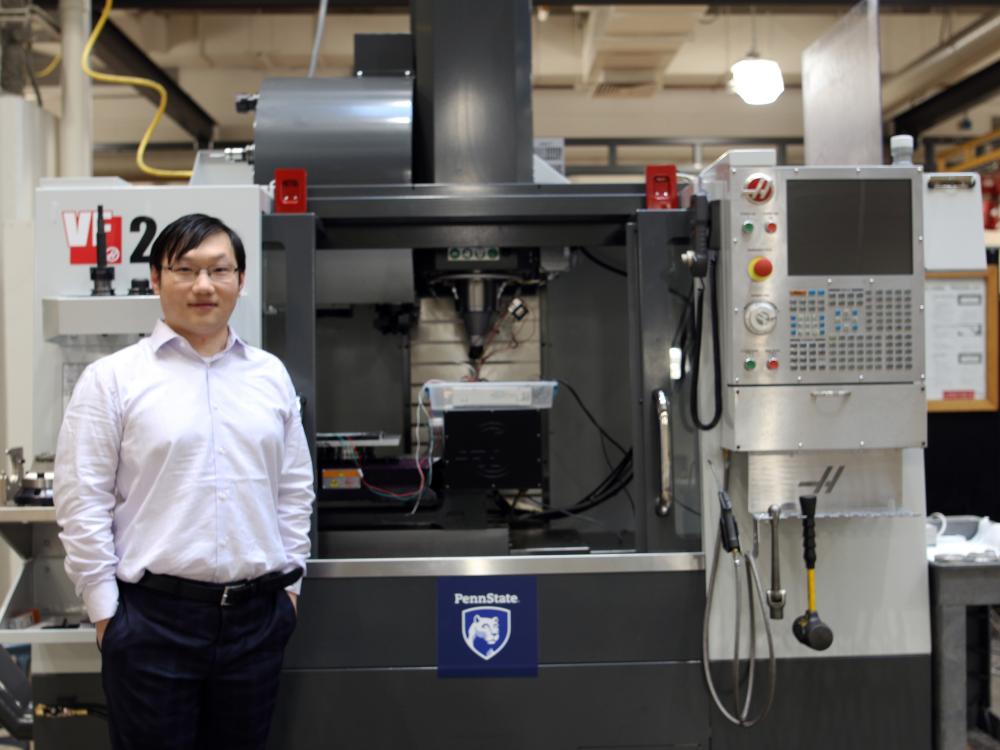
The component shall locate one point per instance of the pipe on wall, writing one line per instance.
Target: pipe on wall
(76, 140)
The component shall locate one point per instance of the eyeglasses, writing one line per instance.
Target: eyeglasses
(188, 274)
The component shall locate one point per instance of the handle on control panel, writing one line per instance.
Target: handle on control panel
(831, 393)
(966, 182)
(666, 498)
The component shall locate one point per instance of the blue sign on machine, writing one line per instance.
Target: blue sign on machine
(487, 626)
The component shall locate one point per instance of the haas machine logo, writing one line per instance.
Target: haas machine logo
(81, 236)
(758, 188)
(486, 630)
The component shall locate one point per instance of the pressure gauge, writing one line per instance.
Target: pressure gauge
(760, 317)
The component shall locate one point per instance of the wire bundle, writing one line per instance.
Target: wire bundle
(613, 484)
(425, 480)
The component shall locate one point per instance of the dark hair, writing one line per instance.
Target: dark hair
(188, 232)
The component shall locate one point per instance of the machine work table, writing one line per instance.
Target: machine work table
(954, 587)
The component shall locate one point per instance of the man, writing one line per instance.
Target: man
(184, 488)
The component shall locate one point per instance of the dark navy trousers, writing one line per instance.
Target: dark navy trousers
(186, 675)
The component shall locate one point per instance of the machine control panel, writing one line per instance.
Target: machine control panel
(821, 275)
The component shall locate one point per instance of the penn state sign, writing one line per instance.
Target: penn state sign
(487, 626)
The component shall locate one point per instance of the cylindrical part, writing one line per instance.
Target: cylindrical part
(775, 513)
(476, 299)
(342, 131)
(101, 239)
(901, 149)
(475, 302)
(76, 150)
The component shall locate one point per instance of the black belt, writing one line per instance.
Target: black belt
(223, 594)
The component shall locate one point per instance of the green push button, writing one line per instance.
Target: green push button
(749, 363)
(747, 227)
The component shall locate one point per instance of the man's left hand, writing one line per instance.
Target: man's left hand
(295, 601)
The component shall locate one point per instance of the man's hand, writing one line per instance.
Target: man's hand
(101, 626)
(295, 601)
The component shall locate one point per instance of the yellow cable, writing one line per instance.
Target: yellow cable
(811, 573)
(131, 81)
(50, 68)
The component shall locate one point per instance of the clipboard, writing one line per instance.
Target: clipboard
(956, 383)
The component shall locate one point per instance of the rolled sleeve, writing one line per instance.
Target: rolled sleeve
(87, 454)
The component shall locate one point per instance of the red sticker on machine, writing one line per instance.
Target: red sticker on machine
(81, 236)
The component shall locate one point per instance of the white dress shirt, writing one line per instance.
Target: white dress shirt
(178, 464)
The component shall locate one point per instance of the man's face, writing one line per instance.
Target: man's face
(192, 302)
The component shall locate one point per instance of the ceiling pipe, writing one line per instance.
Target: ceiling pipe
(980, 43)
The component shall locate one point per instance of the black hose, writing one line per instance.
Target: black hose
(699, 318)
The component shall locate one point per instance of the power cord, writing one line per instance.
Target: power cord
(699, 317)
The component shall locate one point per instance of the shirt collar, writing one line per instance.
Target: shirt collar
(163, 334)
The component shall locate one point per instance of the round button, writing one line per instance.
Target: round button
(747, 227)
(772, 363)
(760, 317)
(760, 268)
(771, 227)
(749, 364)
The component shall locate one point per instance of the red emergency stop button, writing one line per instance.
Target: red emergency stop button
(760, 268)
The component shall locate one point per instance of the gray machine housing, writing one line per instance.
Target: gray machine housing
(846, 347)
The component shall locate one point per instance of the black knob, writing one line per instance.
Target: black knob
(139, 286)
(246, 102)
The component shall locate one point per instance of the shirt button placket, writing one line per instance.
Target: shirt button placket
(220, 471)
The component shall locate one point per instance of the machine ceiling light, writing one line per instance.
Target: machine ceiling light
(757, 80)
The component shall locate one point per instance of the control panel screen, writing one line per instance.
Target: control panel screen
(849, 227)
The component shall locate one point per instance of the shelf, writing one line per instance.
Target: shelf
(39, 635)
(856, 513)
(27, 514)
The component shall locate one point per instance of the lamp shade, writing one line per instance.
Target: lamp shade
(756, 80)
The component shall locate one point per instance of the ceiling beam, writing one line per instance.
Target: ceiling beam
(952, 101)
(123, 57)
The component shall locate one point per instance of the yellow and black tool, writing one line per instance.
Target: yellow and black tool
(808, 628)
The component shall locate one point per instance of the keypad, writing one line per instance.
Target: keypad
(858, 330)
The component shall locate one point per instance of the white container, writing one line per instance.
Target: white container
(508, 396)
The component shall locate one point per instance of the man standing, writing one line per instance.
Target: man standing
(184, 489)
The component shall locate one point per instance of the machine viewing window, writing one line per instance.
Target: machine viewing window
(849, 227)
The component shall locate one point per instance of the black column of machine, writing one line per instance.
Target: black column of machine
(472, 115)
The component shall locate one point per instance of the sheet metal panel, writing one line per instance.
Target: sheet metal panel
(843, 66)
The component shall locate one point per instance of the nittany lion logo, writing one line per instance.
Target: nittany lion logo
(486, 630)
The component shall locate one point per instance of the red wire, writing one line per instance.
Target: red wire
(405, 495)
